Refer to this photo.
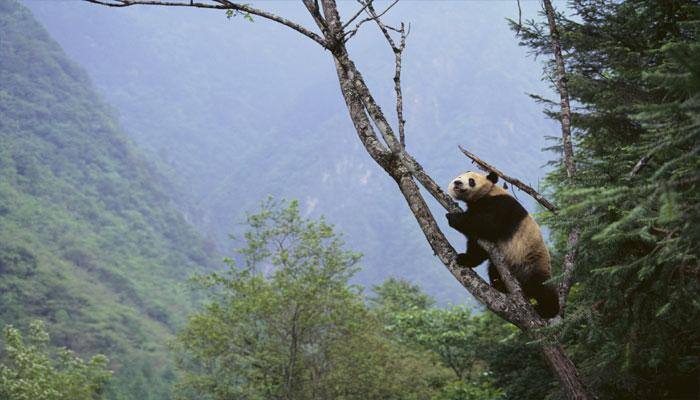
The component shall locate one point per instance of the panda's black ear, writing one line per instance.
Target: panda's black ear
(492, 177)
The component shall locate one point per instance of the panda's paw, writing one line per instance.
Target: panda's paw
(462, 259)
(453, 218)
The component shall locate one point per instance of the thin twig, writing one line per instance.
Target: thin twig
(398, 53)
(373, 17)
(513, 181)
(520, 18)
(357, 14)
(397, 85)
(381, 14)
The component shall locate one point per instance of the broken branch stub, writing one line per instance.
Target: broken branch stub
(513, 181)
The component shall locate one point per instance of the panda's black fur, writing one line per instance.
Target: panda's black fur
(495, 216)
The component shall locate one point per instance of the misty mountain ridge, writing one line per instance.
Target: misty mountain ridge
(234, 111)
(90, 242)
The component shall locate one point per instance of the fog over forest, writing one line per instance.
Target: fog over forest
(233, 111)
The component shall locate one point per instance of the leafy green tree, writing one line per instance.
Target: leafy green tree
(287, 324)
(399, 295)
(31, 371)
(489, 358)
(634, 321)
(458, 339)
(513, 361)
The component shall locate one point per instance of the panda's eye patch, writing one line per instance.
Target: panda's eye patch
(472, 183)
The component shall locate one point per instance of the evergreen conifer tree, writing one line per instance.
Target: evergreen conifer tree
(634, 76)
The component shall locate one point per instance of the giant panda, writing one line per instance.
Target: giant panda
(495, 216)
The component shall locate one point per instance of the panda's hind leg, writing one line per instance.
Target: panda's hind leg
(546, 295)
(495, 278)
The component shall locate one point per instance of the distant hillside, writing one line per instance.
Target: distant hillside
(89, 241)
(235, 111)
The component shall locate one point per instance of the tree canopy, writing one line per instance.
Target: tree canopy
(287, 324)
(35, 371)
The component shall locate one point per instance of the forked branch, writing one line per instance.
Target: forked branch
(357, 14)
(398, 53)
(366, 5)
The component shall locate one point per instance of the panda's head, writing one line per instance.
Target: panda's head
(471, 186)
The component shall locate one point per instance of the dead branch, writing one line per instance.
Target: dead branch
(513, 181)
(520, 19)
(365, 5)
(512, 285)
(373, 110)
(397, 85)
(563, 89)
(639, 165)
(218, 5)
(398, 53)
(401, 167)
(417, 204)
(313, 9)
(357, 14)
(373, 16)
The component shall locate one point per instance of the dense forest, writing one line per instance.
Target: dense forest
(107, 291)
(90, 242)
(634, 70)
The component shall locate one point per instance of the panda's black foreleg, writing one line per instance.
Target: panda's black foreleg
(474, 256)
(483, 224)
(495, 278)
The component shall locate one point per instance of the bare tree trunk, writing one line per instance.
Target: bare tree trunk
(568, 151)
(566, 372)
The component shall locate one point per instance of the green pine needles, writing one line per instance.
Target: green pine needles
(633, 70)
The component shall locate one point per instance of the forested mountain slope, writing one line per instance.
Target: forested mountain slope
(235, 111)
(89, 242)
